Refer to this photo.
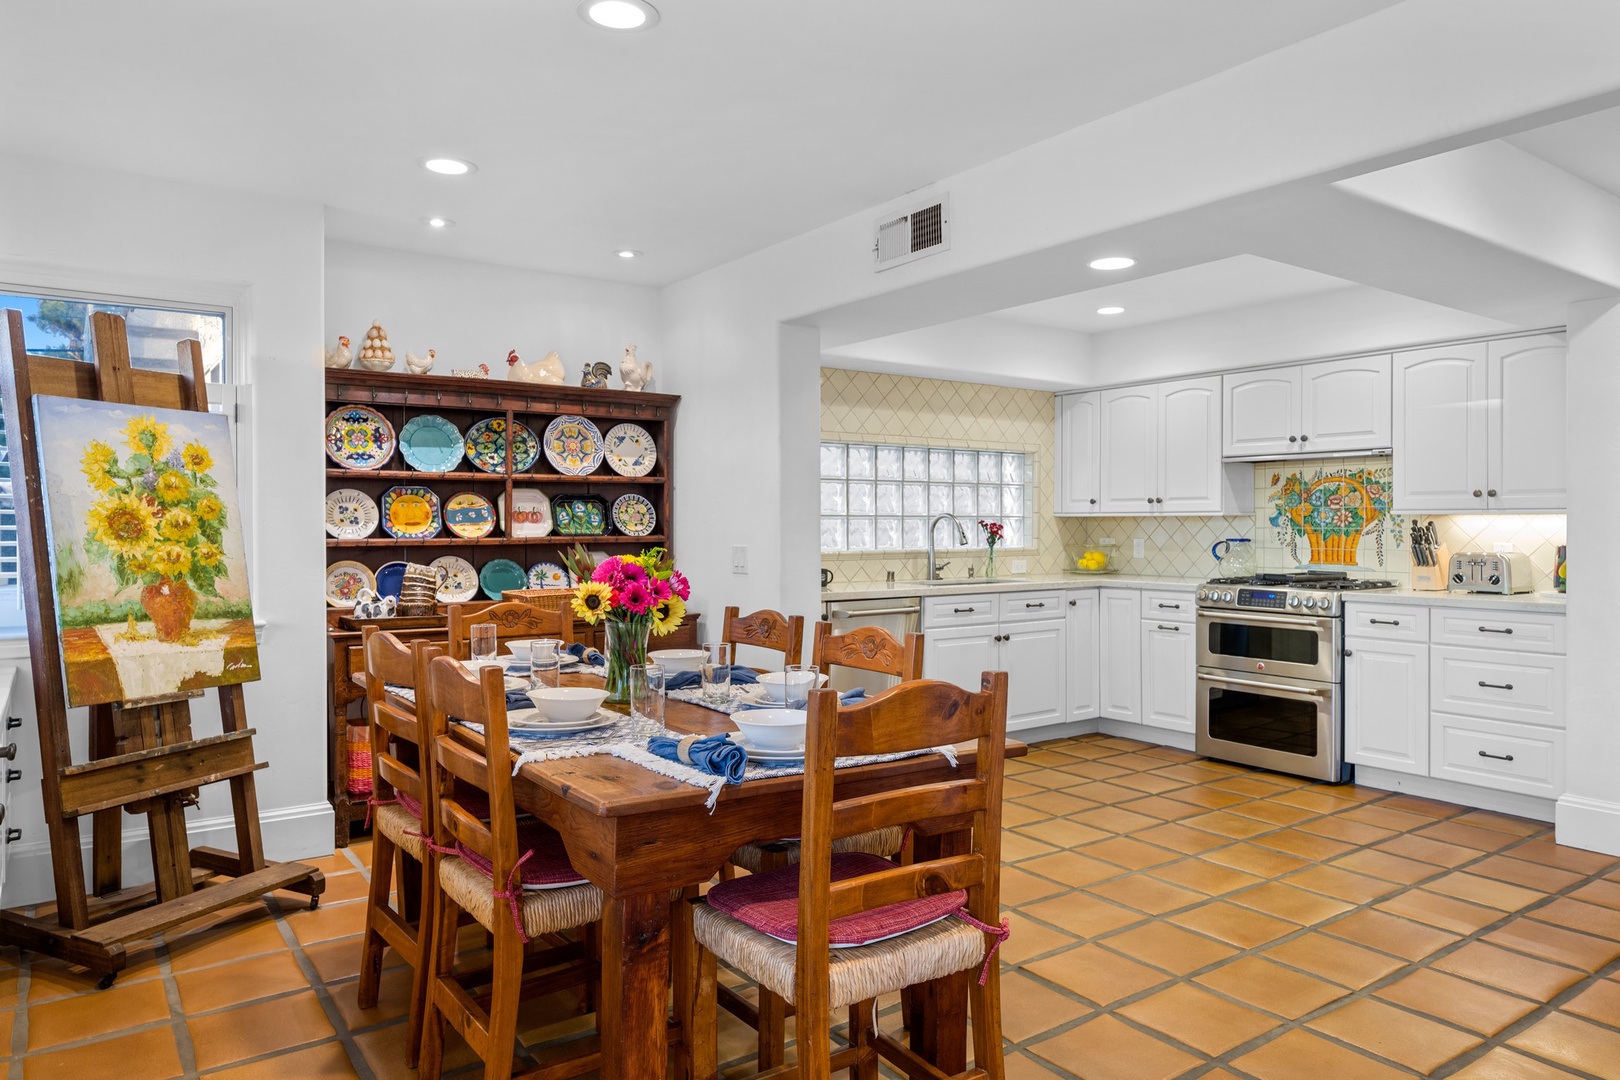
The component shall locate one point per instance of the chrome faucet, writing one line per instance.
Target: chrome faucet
(933, 527)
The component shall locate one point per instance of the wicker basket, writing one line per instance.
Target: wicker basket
(358, 779)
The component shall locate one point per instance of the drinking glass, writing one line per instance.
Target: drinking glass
(545, 663)
(646, 700)
(481, 637)
(797, 682)
(716, 672)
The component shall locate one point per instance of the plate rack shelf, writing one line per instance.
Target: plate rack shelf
(400, 397)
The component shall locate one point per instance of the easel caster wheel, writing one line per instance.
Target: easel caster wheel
(314, 902)
(106, 982)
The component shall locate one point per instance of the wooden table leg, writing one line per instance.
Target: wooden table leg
(635, 987)
(938, 1021)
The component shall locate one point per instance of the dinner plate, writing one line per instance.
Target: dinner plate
(391, 578)
(359, 437)
(573, 445)
(458, 581)
(630, 450)
(469, 515)
(345, 579)
(430, 443)
(547, 575)
(411, 513)
(486, 445)
(350, 514)
(531, 720)
(578, 515)
(500, 575)
(530, 515)
(633, 515)
(773, 757)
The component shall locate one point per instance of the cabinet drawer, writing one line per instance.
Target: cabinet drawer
(943, 611)
(1023, 606)
(1519, 687)
(1169, 606)
(1495, 754)
(1524, 631)
(1386, 622)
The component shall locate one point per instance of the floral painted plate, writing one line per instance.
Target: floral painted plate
(469, 515)
(634, 515)
(344, 580)
(573, 445)
(530, 516)
(578, 515)
(458, 581)
(630, 450)
(350, 514)
(430, 443)
(411, 513)
(501, 575)
(486, 446)
(391, 578)
(359, 437)
(548, 575)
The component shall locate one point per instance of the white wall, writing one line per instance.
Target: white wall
(983, 349)
(65, 226)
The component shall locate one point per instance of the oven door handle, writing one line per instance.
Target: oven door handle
(1240, 617)
(1255, 684)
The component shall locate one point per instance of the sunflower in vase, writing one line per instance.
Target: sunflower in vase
(634, 596)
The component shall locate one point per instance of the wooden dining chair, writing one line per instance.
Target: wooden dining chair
(512, 619)
(514, 879)
(764, 629)
(868, 648)
(902, 925)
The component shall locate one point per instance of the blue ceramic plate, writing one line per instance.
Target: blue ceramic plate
(431, 444)
(359, 437)
(499, 575)
(486, 446)
(390, 578)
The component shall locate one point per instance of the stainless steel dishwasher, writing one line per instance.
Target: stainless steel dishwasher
(899, 615)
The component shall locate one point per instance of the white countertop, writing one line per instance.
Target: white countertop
(1552, 602)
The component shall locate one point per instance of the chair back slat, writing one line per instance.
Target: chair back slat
(868, 648)
(454, 692)
(883, 809)
(461, 825)
(913, 716)
(929, 878)
(512, 619)
(395, 737)
(765, 629)
(398, 775)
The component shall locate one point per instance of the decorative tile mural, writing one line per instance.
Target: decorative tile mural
(1325, 517)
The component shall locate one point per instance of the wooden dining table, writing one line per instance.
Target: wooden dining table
(638, 835)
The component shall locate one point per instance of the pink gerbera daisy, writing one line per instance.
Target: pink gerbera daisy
(608, 570)
(677, 581)
(630, 571)
(661, 590)
(636, 598)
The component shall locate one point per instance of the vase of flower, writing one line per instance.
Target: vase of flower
(626, 641)
(993, 532)
(634, 596)
(169, 604)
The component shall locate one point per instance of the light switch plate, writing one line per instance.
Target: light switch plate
(1018, 566)
(739, 559)
(1139, 548)
(1502, 547)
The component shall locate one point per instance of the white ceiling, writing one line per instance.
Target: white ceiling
(1587, 146)
(731, 126)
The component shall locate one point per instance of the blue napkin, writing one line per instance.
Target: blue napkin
(716, 755)
(848, 697)
(517, 699)
(687, 680)
(587, 656)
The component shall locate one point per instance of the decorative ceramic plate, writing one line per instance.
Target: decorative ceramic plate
(630, 450)
(458, 581)
(499, 575)
(634, 515)
(431, 443)
(345, 579)
(486, 446)
(547, 575)
(573, 445)
(391, 578)
(578, 515)
(767, 757)
(469, 515)
(532, 722)
(350, 514)
(411, 513)
(530, 516)
(359, 437)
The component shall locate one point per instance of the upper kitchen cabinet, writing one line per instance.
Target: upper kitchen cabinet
(1129, 458)
(1160, 451)
(1480, 427)
(1075, 488)
(1334, 407)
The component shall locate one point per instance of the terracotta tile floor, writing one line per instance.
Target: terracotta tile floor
(1172, 917)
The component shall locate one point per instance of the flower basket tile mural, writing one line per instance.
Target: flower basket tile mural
(1324, 517)
(149, 569)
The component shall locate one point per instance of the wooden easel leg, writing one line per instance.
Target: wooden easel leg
(106, 838)
(244, 796)
(171, 857)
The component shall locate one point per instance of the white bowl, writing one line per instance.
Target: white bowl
(772, 729)
(566, 704)
(675, 660)
(774, 684)
(520, 647)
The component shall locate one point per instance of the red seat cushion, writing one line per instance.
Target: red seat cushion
(547, 866)
(409, 803)
(769, 903)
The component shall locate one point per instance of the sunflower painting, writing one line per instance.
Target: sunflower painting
(147, 558)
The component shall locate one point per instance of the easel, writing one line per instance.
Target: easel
(143, 758)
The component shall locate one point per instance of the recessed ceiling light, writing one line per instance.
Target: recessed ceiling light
(1112, 262)
(448, 166)
(628, 253)
(619, 14)
(439, 222)
(1110, 311)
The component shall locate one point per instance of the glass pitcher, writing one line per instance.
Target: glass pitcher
(1234, 557)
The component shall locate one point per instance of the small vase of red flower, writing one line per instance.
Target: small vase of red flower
(993, 532)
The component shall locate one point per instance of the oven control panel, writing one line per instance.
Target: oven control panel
(1275, 599)
(1306, 602)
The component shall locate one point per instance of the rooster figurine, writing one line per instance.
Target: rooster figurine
(548, 370)
(635, 375)
(595, 376)
(419, 365)
(339, 357)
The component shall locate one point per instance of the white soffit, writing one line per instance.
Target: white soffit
(1587, 147)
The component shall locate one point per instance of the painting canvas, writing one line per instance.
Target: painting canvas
(147, 560)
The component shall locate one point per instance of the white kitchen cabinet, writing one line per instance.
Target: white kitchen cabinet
(1261, 413)
(1160, 451)
(1169, 669)
(1526, 450)
(1120, 657)
(1078, 468)
(961, 654)
(1084, 696)
(1386, 704)
(1129, 457)
(1332, 407)
(1034, 655)
(1024, 634)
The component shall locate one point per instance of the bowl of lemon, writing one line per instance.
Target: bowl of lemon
(1095, 559)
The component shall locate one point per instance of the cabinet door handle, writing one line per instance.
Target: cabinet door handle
(1491, 492)
(1347, 652)
(13, 835)
(1304, 438)
(1385, 622)
(1172, 607)
(13, 722)
(1162, 626)
(13, 774)
(1494, 630)
(1041, 604)
(1074, 603)
(1498, 757)
(1150, 500)
(1496, 685)
(1160, 499)
(1478, 493)
(1093, 502)
(970, 610)
(1293, 438)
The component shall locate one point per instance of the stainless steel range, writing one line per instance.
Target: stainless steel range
(1270, 673)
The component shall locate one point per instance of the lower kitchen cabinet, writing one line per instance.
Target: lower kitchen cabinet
(1084, 694)
(1034, 655)
(1386, 704)
(1120, 655)
(961, 654)
(1169, 671)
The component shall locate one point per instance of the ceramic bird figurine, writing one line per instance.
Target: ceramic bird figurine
(635, 375)
(479, 372)
(548, 370)
(339, 357)
(419, 365)
(551, 369)
(375, 352)
(595, 376)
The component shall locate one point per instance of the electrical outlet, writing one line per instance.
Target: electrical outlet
(1502, 547)
(1105, 539)
(1018, 566)
(1139, 548)
(739, 559)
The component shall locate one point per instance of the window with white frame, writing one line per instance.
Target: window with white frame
(881, 497)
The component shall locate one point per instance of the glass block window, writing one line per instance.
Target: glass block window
(877, 497)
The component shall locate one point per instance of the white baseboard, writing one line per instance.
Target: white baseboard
(1482, 798)
(1049, 732)
(293, 832)
(1593, 824)
(1124, 729)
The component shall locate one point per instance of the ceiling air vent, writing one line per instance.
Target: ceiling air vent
(921, 230)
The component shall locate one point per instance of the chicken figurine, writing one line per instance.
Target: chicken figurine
(419, 365)
(595, 376)
(339, 357)
(549, 369)
(635, 375)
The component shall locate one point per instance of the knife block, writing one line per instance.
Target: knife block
(1433, 578)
